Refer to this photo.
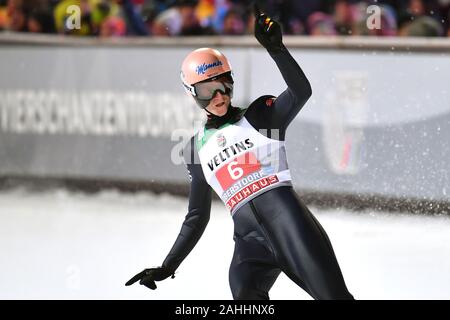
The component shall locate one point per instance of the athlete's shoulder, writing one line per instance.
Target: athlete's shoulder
(259, 111)
(262, 101)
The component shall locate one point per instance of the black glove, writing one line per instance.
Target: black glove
(267, 31)
(149, 276)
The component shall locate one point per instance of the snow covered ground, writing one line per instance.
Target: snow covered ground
(66, 245)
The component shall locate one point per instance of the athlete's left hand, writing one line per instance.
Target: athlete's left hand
(267, 31)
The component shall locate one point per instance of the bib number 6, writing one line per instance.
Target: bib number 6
(236, 169)
(235, 173)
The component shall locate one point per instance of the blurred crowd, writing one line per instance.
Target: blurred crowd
(225, 17)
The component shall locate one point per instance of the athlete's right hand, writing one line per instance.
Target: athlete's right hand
(148, 277)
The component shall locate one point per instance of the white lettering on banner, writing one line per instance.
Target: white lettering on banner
(104, 113)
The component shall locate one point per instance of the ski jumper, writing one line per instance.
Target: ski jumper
(242, 157)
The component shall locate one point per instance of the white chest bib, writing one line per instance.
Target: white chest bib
(240, 163)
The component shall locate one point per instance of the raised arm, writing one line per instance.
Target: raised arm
(277, 113)
(287, 105)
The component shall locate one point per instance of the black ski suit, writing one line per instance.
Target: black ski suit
(275, 231)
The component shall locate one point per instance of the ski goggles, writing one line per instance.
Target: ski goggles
(206, 90)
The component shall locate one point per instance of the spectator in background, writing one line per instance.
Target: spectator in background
(343, 17)
(206, 17)
(113, 27)
(233, 23)
(414, 21)
(101, 10)
(205, 11)
(249, 28)
(29, 16)
(222, 7)
(416, 7)
(283, 11)
(17, 13)
(292, 14)
(180, 20)
(3, 15)
(139, 18)
(448, 24)
(190, 23)
(444, 13)
(296, 26)
(93, 13)
(41, 21)
(388, 22)
(168, 23)
(422, 27)
(321, 24)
